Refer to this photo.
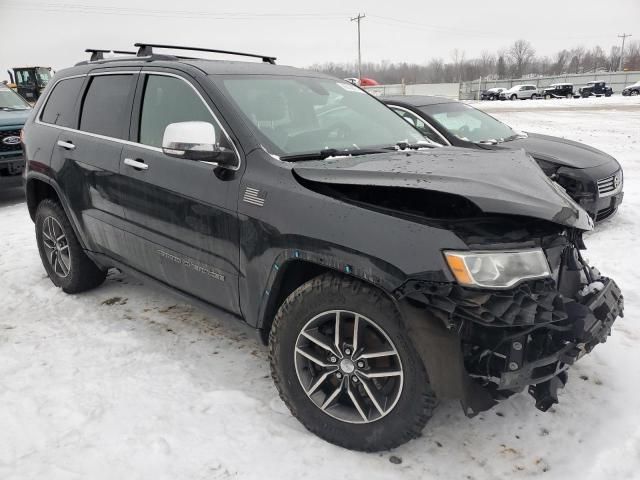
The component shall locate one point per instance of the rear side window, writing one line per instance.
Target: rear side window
(169, 100)
(107, 106)
(60, 106)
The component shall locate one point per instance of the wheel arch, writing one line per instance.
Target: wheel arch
(38, 190)
(290, 275)
(40, 187)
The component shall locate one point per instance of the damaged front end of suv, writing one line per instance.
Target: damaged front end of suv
(499, 341)
(523, 304)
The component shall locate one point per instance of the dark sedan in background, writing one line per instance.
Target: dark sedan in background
(592, 177)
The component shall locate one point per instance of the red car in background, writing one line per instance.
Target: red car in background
(363, 82)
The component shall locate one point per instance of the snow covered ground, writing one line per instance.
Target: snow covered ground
(123, 382)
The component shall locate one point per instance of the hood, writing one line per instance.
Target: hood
(560, 151)
(499, 182)
(13, 118)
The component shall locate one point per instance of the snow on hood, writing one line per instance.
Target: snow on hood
(504, 182)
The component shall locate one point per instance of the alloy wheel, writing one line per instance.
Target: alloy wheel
(56, 247)
(348, 366)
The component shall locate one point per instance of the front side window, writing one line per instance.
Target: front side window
(304, 115)
(107, 106)
(469, 124)
(11, 101)
(60, 106)
(170, 100)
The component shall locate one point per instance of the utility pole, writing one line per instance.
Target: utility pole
(357, 19)
(623, 37)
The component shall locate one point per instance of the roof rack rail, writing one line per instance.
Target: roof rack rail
(146, 49)
(98, 54)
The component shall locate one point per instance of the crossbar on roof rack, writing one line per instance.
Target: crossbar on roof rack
(146, 49)
(98, 54)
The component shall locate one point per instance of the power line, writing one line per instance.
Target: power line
(358, 19)
(80, 8)
(623, 37)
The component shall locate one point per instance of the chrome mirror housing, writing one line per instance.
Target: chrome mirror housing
(196, 141)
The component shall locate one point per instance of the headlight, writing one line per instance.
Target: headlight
(497, 269)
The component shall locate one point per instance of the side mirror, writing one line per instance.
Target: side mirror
(196, 141)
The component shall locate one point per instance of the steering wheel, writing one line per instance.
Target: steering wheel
(339, 131)
(464, 131)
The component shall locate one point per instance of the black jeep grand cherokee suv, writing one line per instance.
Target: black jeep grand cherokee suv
(382, 274)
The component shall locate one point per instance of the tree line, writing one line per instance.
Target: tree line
(517, 61)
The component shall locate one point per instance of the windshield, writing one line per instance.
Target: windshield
(469, 124)
(302, 115)
(9, 100)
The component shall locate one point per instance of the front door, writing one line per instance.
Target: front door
(181, 214)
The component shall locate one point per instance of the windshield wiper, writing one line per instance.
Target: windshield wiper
(331, 152)
(410, 146)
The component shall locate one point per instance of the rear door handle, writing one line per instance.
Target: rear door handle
(67, 145)
(138, 164)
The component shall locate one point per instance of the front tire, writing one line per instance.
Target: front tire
(345, 367)
(63, 258)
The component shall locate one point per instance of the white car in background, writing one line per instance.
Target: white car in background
(520, 92)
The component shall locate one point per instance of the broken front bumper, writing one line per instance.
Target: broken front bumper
(483, 346)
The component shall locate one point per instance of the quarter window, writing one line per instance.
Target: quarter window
(107, 106)
(59, 109)
(169, 100)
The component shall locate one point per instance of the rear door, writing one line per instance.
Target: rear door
(181, 214)
(86, 158)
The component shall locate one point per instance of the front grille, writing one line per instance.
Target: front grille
(608, 185)
(9, 133)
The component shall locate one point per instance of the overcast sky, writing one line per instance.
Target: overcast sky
(56, 32)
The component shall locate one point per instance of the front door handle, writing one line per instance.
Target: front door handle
(137, 164)
(67, 145)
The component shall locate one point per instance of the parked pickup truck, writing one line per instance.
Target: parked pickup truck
(558, 90)
(595, 89)
(14, 111)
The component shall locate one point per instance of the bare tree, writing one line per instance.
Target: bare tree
(517, 60)
(487, 63)
(521, 54)
(458, 59)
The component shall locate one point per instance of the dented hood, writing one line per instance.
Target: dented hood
(503, 182)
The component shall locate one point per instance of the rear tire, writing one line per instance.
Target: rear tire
(403, 402)
(534, 96)
(63, 258)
